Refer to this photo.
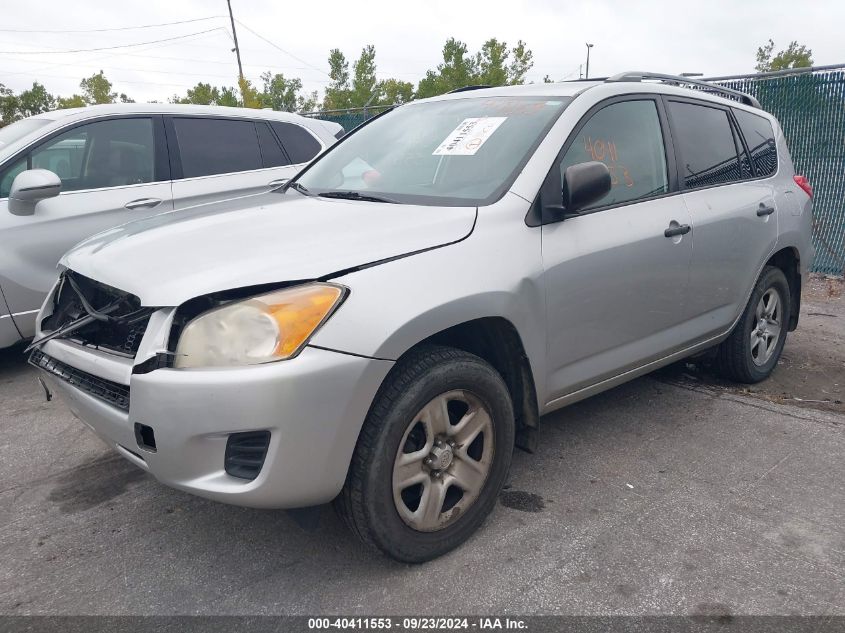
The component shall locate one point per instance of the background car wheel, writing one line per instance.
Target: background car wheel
(752, 350)
(432, 455)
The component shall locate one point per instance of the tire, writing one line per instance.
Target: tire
(398, 429)
(738, 358)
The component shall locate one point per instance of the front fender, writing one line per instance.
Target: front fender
(496, 272)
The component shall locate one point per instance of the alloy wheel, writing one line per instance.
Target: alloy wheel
(443, 461)
(766, 331)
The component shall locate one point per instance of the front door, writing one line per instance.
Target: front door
(110, 175)
(615, 281)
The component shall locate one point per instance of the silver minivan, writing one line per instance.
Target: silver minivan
(68, 174)
(383, 330)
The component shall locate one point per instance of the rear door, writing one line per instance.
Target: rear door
(218, 158)
(615, 282)
(113, 171)
(732, 212)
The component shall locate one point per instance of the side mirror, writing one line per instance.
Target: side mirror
(31, 186)
(584, 184)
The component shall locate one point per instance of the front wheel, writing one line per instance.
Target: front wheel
(752, 350)
(432, 456)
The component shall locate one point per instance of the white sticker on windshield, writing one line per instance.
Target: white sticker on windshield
(469, 136)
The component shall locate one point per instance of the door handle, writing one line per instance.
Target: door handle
(143, 203)
(277, 183)
(764, 210)
(674, 231)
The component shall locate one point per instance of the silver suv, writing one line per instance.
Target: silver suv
(68, 174)
(385, 330)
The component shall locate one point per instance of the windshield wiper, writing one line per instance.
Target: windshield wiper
(355, 195)
(292, 184)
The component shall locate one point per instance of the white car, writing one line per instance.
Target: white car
(111, 164)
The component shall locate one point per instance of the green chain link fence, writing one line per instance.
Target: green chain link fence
(350, 118)
(811, 109)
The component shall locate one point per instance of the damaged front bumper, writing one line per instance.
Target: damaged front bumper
(185, 426)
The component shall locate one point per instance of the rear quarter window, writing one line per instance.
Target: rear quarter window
(299, 144)
(760, 139)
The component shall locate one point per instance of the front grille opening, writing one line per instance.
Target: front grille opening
(110, 392)
(146, 437)
(122, 336)
(245, 453)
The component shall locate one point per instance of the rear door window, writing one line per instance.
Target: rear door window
(625, 136)
(299, 144)
(705, 140)
(760, 139)
(216, 146)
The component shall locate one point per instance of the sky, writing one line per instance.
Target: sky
(713, 37)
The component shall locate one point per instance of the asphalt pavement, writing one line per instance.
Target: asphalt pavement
(669, 495)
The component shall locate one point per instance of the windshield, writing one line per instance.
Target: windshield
(19, 129)
(461, 152)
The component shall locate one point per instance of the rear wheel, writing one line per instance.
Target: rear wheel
(432, 456)
(753, 349)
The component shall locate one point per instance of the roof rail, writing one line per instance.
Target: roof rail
(466, 88)
(677, 80)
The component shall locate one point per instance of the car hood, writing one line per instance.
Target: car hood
(169, 258)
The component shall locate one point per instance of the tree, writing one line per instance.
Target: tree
(97, 89)
(364, 79)
(9, 105)
(357, 91)
(490, 66)
(74, 101)
(228, 97)
(523, 61)
(338, 91)
(309, 103)
(794, 56)
(201, 94)
(249, 95)
(280, 93)
(35, 100)
(394, 92)
(491, 63)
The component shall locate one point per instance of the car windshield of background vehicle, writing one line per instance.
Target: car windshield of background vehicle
(19, 129)
(461, 152)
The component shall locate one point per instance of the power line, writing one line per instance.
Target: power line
(276, 46)
(96, 59)
(107, 48)
(192, 73)
(117, 28)
(118, 80)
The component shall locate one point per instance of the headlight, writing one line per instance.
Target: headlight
(262, 329)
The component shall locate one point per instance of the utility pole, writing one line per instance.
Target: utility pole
(236, 50)
(587, 73)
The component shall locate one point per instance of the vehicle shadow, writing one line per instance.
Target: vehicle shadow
(12, 360)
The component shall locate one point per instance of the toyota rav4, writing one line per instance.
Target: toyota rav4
(382, 330)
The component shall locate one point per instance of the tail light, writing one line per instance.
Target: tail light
(802, 182)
